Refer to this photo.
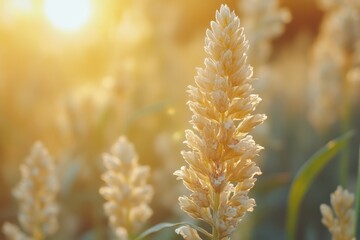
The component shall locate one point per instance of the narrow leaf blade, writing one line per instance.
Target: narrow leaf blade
(162, 226)
(305, 177)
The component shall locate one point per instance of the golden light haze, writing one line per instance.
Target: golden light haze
(78, 74)
(68, 14)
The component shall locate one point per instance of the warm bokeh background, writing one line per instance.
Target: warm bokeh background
(124, 70)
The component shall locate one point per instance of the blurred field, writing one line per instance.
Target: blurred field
(124, 71)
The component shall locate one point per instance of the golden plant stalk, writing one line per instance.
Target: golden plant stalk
(221, 170)
(340, 217)
(36, 195)
(126, 192)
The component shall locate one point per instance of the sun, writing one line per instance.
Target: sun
(68, 14)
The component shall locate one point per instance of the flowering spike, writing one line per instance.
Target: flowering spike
(36, 194)
(127, 193)
(340, 217)
(220, 170)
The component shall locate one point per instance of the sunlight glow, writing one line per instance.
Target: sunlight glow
(23, 5)
(68, 14)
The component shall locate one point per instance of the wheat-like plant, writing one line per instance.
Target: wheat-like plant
(36, 195)
(126, 192)
(340, 217)
(335, 66)
(221, 170)
(263, 20)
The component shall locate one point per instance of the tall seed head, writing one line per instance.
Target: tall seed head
(126, 192)
(340, 217)
(220, 169)
(36, 194)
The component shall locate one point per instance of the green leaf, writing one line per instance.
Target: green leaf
(162, 226)
(305, 177)
(357, 204)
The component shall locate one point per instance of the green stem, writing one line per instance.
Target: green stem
(357, 203)
(345, 153)
(345, 116)
(344, 166)
(215, 232)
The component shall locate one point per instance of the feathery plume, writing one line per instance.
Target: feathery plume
(340, 217)
(221, 170)
(36, 194)
(127, 193)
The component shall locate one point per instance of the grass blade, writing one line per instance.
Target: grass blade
(357, 203)
(161, 226)
(306, 175)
